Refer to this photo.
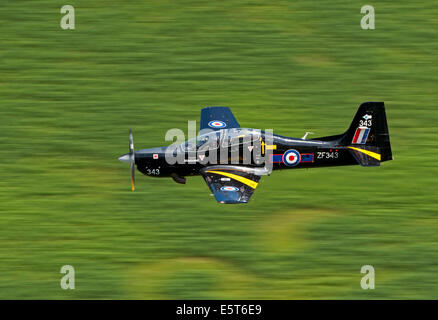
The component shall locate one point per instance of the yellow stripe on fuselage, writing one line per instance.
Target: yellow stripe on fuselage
(367, 152)
(268, 147)
(244, 180)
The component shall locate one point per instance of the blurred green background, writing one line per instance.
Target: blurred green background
(67, 99)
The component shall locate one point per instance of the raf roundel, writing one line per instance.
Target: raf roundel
(217, 124)
(229, 188)
(291, 157)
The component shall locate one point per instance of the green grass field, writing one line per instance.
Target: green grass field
(68, 97)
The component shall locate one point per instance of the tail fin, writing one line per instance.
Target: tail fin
(368, 136)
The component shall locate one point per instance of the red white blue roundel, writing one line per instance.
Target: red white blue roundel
(229, 188)
(291, 157)
(217, 124)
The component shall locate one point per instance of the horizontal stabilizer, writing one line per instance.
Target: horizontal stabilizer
(366, 156)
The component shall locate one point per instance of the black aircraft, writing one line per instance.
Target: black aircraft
(232, 159)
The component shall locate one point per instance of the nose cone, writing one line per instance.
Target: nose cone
(125, 158)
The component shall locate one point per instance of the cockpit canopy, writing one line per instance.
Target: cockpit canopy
(224, 138)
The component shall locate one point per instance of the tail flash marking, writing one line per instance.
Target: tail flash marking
(361, 135)
(367, 152)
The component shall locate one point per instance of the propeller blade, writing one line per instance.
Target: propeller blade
(132, 159)
(131, 142)
(132, 175)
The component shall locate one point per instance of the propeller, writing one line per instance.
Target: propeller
(130, 157)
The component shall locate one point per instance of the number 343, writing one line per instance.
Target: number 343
(153, 172)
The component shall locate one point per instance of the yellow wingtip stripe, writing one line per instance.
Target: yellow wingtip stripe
(244, 180)
(367, 152)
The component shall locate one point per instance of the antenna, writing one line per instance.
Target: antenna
(305, 136)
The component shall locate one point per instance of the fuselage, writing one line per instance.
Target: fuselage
(253, 148)
(232, 159)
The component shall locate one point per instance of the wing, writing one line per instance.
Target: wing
(217, 118)
(232, 184)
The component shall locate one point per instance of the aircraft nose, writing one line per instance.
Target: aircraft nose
(125, 158)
